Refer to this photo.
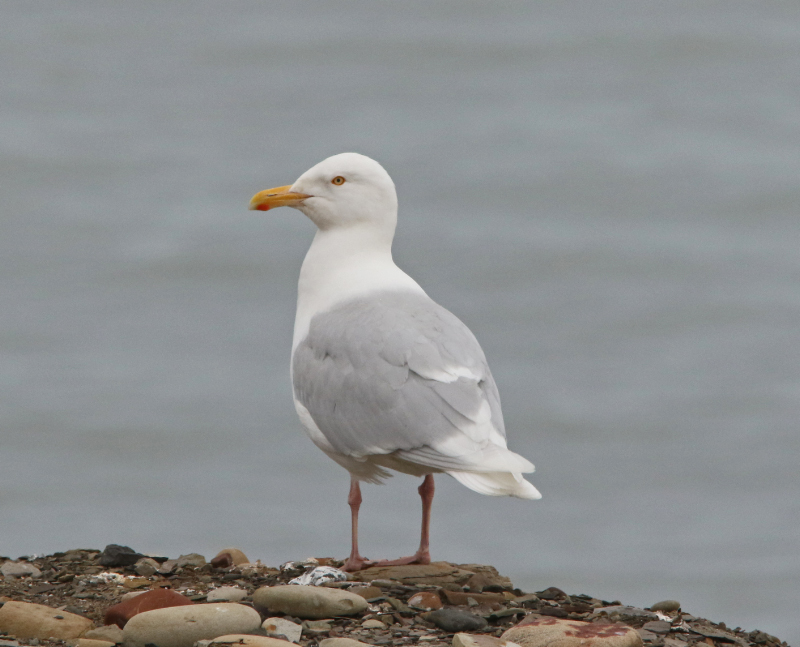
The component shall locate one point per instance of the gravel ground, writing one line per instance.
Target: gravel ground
(75, 581)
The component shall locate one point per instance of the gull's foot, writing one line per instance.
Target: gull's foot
(417, 558)
(356, 563)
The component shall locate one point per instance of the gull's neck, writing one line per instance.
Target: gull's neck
(343, 264)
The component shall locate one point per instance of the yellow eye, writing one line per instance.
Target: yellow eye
(338, 180)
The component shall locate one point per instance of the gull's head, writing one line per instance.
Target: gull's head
(342, 191)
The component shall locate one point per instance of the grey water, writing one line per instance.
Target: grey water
(605, 192)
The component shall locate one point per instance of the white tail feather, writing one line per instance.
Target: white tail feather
(497, 484)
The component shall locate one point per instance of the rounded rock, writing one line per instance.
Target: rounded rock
(228, 557)
(14, 570)
(480, 640)
(121, 613)
(185, 625)
(425, 600)
(28, 620)
(547, 631)
(308, 602)
(227, 594)
(666, 606)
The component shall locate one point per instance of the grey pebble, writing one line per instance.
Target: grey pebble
(453, 620)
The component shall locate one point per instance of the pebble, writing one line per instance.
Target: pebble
(277, 627)
(247, 640)
(372, 623)
(14, 570)
(28, 620)
(368, 592)
(184, 625)
(192, 559)
(480, 640)
(657, 626)
(453, 620)
(626, 612)
(308, 602)
(227, 594)
(228, 557)
(342, 642)
(425, 600)
(666, 606)
(317, 626)
(121, 613)
(90, 642)
(110, 633)
(146, 567)
(116, 555)
(540, 631)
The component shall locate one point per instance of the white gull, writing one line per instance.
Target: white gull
(383, 377)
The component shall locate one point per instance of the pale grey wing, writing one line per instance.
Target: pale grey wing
(398, 373)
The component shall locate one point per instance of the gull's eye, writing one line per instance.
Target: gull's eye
(338, 180)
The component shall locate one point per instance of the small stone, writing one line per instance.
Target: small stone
(480, 640)
(425, 600)
(657, 626)
(136, 583)
(28, 620)
(227, 594)
(146, 567)
(542, 631)
(13, 570)
(89, 642)
(228, 557)
(460, 598)
(373, 624)
(551, 593)
(247, 640)
(315, 627)
(121, 613)
(342, 642)
(194, 560)
(277, 627)
(624, 611)
(667, 606)
(453, 620)
(110, 633)
(116, 555)
(368, 592)
(183, 626)
(308, 602)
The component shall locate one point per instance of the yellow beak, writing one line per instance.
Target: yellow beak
(280, 196)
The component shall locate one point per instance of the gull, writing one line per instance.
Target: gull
(383, 377)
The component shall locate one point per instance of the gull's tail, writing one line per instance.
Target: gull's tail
(497, 484)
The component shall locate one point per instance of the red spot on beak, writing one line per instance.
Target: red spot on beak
(262, 207)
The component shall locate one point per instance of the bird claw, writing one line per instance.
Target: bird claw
(358, 563)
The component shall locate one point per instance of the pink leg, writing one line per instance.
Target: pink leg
(423, 554)
(355, 562)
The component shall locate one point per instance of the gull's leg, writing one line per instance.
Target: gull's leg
(355, 562)
(423, 554)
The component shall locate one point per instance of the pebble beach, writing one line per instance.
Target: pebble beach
(94, 598)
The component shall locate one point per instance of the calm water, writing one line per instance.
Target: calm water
(605, 192)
